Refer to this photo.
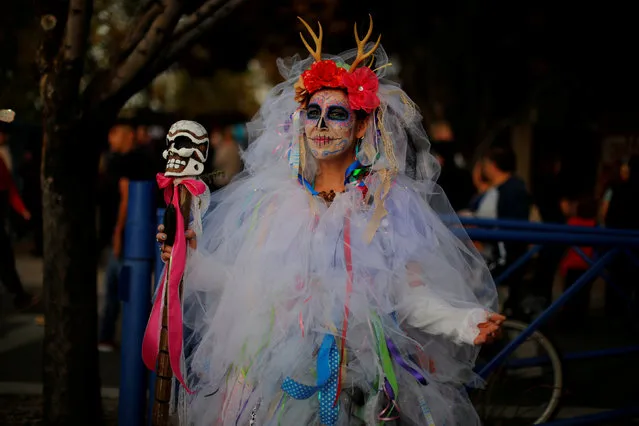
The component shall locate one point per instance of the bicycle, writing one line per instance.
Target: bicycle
(495, 403)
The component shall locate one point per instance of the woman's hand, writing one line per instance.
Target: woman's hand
(165, 250)
(490, 329)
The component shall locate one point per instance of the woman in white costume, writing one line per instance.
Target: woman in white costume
(332, 284)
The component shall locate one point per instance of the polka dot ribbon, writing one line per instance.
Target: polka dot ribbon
(326, 385)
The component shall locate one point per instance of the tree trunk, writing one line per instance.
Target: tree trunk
(71, 376)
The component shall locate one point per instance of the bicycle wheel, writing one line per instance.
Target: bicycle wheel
(526, 388)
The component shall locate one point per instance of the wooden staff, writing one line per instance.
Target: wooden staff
(164, 373)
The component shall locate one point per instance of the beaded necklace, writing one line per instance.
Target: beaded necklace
(356, 173)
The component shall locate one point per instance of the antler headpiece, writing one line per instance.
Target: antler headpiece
(361, 83)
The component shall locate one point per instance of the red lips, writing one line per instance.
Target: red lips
(323, 140)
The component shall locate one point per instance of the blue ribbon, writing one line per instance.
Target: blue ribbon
(354, 166)
(307, 184)
(326, 384)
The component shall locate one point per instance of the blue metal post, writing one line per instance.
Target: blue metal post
(135, 286)
(541, 319)
(159, 266)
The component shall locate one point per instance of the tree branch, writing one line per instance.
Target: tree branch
(189, 38)
(147, 50)
(193, 20)
(162, 62)
(144, 18)
(78, 21)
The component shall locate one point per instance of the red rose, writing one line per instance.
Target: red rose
(322, 74)
(362, 85)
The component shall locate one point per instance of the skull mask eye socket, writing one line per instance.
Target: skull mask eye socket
(185, 147)
(183, 142)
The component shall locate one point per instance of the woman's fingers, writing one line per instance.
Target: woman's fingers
(190, 237)
(165, 253)
(189, 234)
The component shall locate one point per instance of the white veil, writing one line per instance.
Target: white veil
(231, 264)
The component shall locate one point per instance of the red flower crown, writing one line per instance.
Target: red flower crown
(361, 84)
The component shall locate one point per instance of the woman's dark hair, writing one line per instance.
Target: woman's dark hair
(361, 115)
(503, 156)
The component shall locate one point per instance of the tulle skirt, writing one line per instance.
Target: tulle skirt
(294, 316)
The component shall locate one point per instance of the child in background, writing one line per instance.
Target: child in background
(579, 211)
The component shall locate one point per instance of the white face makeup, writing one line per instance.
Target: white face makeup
(329, 124)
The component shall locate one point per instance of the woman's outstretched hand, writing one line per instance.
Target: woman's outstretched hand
(490, 329)
(165, 250)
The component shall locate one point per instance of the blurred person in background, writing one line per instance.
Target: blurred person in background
(142, 124)
(510, 200)
(5, 147)
(579, 211)
(124, 162)
(146, 153)
(623, 174)
(10, 199)
(622, 208)
(622, 213)
(455, 181)
(148, 144)
(481, 185)
(483, 205)
(550, 189)
(8, 153)
(32, 189)
(227, 143)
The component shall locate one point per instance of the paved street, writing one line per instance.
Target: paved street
(21, 337)
(589, 385)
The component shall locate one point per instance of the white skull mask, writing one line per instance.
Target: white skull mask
(188, 149)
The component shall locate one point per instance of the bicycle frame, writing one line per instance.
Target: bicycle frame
(613, 243)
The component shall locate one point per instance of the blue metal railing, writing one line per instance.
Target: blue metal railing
(610, 242)
(547, 227)
(554, 237)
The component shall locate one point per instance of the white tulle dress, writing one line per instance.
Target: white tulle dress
(359, 311)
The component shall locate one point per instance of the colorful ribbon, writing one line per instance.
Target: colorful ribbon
(386, 415)
(426, 412)
(176, 266)
(383, 353)
(397, 356)
(326, 384)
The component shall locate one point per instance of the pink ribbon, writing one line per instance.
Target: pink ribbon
(151, 342)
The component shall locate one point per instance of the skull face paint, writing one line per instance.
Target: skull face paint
(187, 149)
(329, 124)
